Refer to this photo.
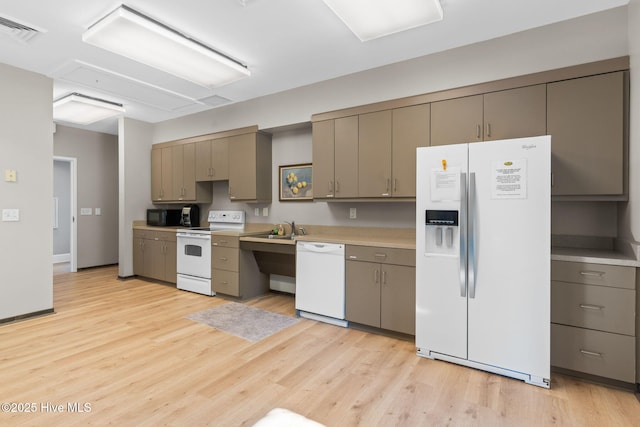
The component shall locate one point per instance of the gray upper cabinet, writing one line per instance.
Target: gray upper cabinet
(346, 157)
(513, 113)
(212, 160)
(323, 134)
(586, 121)
(456, 121)
(250, 167)
(368, 152)
(411, 129)
(374, 154)
(335, 158)
(387, 150)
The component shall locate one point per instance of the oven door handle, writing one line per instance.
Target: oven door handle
(194, 236)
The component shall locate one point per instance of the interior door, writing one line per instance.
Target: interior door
(509, 222)
(441, 303)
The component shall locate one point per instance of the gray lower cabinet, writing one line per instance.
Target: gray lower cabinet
(234, 272)
(154, 254)
(380, 287)
(593, 319)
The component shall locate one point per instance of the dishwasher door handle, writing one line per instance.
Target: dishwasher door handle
(318, 247)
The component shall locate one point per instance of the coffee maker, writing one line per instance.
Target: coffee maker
(190, 216)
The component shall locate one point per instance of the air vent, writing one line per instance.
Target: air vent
(17, 30)
(215, 100)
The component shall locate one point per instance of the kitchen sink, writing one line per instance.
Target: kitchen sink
(273, 236)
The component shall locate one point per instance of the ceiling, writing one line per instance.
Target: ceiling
(284, 43)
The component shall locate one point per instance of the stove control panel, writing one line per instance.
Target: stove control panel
(226, 217)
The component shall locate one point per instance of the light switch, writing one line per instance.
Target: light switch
(353, 213)
(86, 211)
(10, 214)
(10, 175)
(98, 211)
(256, 211)
(265, 211)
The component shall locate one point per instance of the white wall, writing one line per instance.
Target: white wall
(134, 158)
(26, 145)
(97, 155)
(590, 38)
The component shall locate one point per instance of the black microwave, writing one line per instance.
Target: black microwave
(164, 217)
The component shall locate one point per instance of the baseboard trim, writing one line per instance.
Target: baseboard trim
(27, 316)
(58, 258)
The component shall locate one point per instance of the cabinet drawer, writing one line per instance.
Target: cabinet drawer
(165, 236)
(381, 255)
(593, 307)
(225, 241)
(139, 234)
(594, 352)
(226, 282)
(224, 258)
(594, 274)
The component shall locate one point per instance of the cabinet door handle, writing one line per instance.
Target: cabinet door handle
(478, 130)
(337, 186)
(379, 255)
(384, 277)
(213, 172)
(386, 193)
(223, 259)
(592, 273)
(376, 276)
(591, 307)
(395, 185)
(590, 353)
(224, 282)
(488, 130)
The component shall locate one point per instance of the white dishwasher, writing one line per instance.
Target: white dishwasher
(320, 287)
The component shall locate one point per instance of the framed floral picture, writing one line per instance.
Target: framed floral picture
(296, 182)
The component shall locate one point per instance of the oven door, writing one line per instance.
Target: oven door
(194, 255)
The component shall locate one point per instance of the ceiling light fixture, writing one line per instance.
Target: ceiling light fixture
(83, 109)
(136, 36)
(370, 19)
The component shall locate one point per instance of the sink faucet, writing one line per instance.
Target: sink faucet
(293, 228)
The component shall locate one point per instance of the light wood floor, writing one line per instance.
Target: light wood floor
(125, 348)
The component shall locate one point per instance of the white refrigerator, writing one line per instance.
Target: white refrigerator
(483, 230)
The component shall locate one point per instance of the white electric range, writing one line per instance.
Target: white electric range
(194, 250)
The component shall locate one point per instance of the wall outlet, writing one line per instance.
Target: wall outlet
(256, 212)
(353, 213)
(265, 211)
(10, 214)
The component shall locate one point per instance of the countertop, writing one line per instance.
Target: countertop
(400, 238)
(593, 256)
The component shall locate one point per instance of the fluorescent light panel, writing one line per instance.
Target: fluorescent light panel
(370, 19)
(135, 36)
(84, 110)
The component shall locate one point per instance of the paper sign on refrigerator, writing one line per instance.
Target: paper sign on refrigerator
(445, 185)
(509, 179)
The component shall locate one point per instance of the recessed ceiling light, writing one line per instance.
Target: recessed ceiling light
(370, 19)
(129, 33)
(83, 109)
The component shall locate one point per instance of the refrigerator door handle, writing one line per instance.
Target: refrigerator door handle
(463, 234)
(472, 235)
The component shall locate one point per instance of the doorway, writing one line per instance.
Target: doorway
(65, 230)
